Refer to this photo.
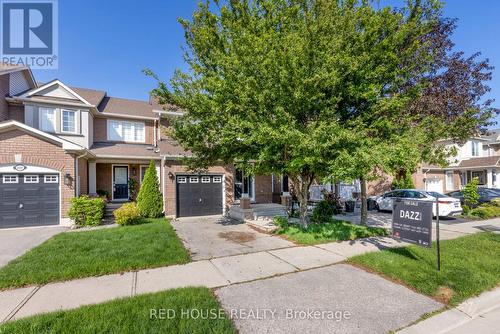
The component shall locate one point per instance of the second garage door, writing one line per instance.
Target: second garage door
(199, 195)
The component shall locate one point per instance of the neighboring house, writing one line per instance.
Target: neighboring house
(58, 142)
(478, 157)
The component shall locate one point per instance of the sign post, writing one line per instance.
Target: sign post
(437, 235)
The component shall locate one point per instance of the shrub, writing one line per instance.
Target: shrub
(323, 212)
(465, 209)
(281, 222)
(471, 195)
(86, 211)
(150, 200)
(485, 211)
(133, 187)
(495, 202)
(127, 214)
(103, 193)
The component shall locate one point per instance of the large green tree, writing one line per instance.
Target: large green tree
(308, 88)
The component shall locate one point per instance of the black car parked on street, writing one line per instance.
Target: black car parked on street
(485, 195)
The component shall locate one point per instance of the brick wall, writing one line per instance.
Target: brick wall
(4, 91)
(35, 151)
(83, 171)
(101, 135)
(263, 189)
(170, 186)
(379, 186)
(103, 178)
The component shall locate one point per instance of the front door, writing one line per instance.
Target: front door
(120, 182)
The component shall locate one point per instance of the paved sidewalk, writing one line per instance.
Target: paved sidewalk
(476, 315)
(216, 272)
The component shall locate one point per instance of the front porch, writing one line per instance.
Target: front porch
(118, 180)
(486, 177)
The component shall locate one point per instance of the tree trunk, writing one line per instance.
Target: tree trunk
(364, 204)
(301, 185)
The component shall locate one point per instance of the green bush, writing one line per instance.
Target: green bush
(127, 214)
(405, 182)
(103, 193)
(323, 212)
(150, 200)
(485, 211)
(471, 195)
(86, 211)
(281, 222)
(495, 202)
(465, 209)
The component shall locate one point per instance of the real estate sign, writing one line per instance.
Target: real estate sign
(412, 222)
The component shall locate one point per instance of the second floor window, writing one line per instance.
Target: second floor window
(126, 131)
(47, 120)
(68, 121)
(475, 149)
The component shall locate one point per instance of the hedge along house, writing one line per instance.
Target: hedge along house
(58, 142)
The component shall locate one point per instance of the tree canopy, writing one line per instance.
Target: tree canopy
(322, 88)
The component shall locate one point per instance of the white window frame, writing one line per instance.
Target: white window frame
(194, 179)
(75, 113)
(474, 148)
(181, 179)
(49, 179)
(31, 179)
(449, 182)
(217, 179)
(40, 119)
(141, 174)
(10, 181)
(205, 179)
(137, 137)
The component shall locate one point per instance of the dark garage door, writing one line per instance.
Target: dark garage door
(199, 195)
(29, 200)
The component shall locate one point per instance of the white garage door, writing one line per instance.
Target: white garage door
(434, 185)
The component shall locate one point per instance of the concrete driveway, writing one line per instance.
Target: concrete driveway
(216, 236)
(16, 242)
(333, 299)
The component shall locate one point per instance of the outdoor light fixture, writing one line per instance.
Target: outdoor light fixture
(170, 175)
(133, 171)
(68, 180)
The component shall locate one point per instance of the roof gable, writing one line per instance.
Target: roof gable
(56, 90)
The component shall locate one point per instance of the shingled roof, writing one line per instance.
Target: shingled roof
(480, 162)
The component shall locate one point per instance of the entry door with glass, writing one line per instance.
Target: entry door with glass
(120, 182)
(243, 184)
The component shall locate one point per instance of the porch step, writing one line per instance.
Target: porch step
(269, 213)
(110, 208)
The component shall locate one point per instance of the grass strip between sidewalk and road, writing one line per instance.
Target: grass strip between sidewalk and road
(66, 256)
(469, 265)
(189, 308)
(335, 230)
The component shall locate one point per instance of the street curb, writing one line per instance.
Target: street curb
(462, 314)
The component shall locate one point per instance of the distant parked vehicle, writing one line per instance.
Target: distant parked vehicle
(448, 206)
(485, 195)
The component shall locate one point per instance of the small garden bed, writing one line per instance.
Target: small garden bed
(333, 230)
(132, 315)
(470, 265)
(152, 243)
(484, 211)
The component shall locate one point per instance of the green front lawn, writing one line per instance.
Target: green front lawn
(469, 266)
(336, 230)
(92, 253)
(133, 315)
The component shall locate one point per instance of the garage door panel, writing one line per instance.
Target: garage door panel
(29, 204)
(199, 198)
